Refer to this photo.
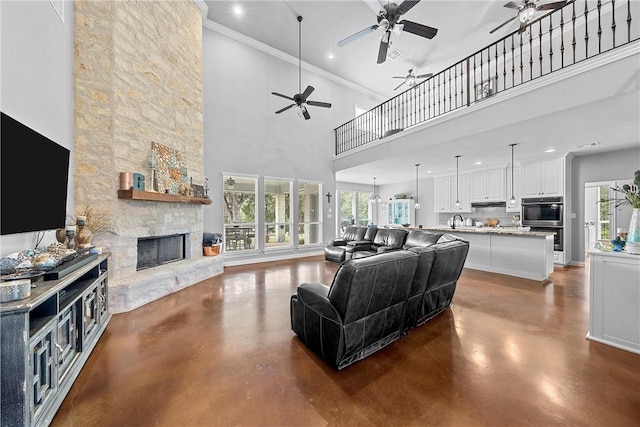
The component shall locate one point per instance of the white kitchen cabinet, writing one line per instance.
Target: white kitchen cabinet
(544, 178)
(442, 194)
(447, 191)
(517, 189)
(488, 186)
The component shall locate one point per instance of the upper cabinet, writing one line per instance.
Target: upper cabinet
(488, 186)
(543, 178)
(400, 212)
(447, 191)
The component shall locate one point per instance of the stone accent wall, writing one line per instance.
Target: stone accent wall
(137, 80)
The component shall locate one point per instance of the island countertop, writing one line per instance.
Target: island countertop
(487, 230)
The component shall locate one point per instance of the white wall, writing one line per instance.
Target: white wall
(594, 168)
(37, 83)
(243, 134)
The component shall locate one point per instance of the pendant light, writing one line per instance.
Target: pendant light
(417, 205)
(513, 200)
(457, 184)
(375, 198)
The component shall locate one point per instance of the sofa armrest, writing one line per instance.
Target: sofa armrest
(384, 249)
(337, 242)
(315, 296)
(360, 245)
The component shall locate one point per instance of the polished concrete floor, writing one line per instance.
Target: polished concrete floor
(510, 352)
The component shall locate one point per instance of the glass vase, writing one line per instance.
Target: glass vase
(633, 236)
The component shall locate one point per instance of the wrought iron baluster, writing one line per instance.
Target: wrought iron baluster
(496, 58)
(540, 45)
(562, 38)
(462, 83)
(628, 20)
(475, 92)
(488, 65)
(599, 6)
(450, 90)
(468, 81)
(613, 21)
(573, 23)
(551, 43)
(530, 52)
(586, 29)
(521, 62)
(455, 84)
(429, 98)
(439, 89)
(513, 62)
(504, 64)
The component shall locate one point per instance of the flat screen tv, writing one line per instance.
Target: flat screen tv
(34, 172)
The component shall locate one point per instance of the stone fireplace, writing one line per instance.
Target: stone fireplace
(138, 80)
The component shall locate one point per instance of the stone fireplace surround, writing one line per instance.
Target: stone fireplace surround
(138, 80)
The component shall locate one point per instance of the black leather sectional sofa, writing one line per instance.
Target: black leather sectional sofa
(374, 299)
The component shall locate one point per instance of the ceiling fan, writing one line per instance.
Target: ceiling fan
(411, 79)
(300, 98)
(526, 11)
(388, 21)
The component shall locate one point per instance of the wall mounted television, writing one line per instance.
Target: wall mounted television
(34, 173)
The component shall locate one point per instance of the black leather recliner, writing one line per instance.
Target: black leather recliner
(435, 280)
(360, 313)
(421, 238)
(385, 240)
(334, 249)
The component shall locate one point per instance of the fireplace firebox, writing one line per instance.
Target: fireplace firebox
(159, 250)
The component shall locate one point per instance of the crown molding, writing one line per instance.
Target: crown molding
(203, 8)
(214, 26)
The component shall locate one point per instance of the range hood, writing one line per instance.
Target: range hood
(489, 204)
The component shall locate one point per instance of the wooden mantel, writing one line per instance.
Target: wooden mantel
(161, 197)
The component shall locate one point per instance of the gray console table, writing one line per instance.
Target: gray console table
(46, 339)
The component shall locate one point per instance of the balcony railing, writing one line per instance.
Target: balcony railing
(578, 31)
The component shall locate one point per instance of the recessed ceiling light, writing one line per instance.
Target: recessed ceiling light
(429, 172)
(477, 163)
(550, 150)
(237, 10)
(330, 56)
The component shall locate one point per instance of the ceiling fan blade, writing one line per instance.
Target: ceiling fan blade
(375, 5)
(285, 108)
(551, 6)
(382, 52)
(357, 35)
(419, 29)
(513, 5)
(405, 6)
(307, 92)
(424, 76)
(398, 77)
(398, 87)
(283, 96)
(319, 104)
(305, 113)
(502, 25)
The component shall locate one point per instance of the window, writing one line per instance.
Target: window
(309, 213)
(277, 212)
(239, 204)
(354, 209)
(604, 213)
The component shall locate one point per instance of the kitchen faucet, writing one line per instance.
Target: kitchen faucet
(453, 221)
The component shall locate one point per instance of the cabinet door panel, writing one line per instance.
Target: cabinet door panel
(531, 179)
(495, 185)
(442, 202)
(551, 179)
(478, 190)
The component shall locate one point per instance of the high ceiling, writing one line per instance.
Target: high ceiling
(463, 28)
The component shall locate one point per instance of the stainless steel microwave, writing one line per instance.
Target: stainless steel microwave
(542, 212)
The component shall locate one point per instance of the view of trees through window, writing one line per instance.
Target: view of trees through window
(354, 208)
(604, 213)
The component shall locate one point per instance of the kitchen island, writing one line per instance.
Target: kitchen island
(506, 250)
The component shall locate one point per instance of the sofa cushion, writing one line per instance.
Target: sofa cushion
(421, 238)
(391, 237)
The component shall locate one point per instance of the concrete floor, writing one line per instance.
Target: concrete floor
(510, 352)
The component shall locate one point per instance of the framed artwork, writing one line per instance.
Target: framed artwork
(485, 89)
(171, 168)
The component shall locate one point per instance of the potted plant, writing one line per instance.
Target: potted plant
(631, 196)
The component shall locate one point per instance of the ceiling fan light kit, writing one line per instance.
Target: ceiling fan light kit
(527, 10)
(300, 99)
(389, 21)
